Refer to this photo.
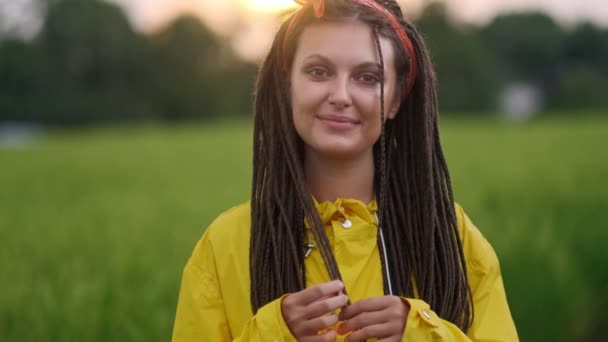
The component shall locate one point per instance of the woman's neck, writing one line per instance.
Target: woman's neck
(329, 179)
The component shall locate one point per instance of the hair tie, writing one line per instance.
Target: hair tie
(317, 5)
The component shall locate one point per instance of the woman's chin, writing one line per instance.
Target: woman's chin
(338, 151)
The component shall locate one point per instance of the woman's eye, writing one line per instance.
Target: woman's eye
(369, 79)
(318, 72)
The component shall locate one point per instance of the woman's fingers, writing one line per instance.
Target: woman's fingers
(306, 312)
(294, 306)
(313, 326)
(317, 292)
(365, 305)
(363, 319)
(326, 337)
(325, 306)
(380, 317)
(371, 331)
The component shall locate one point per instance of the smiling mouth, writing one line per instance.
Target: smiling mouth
(338, 123)
(339, 119)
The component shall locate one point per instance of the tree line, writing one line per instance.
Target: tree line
(87, 65)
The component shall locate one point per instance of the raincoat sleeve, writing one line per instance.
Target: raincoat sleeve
(492, 318)
(201, 314)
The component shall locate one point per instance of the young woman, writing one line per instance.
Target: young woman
(352, 232)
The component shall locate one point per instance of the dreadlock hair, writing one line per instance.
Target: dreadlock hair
(412, 183)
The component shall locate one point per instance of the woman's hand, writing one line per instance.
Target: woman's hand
(380, 317)
(311, 310)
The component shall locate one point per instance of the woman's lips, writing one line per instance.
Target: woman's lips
(340, 123)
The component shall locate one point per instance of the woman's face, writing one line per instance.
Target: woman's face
(335, 88)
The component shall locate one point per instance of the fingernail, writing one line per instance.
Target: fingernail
(342, 330)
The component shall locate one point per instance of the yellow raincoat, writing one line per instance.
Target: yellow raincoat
(214, 299)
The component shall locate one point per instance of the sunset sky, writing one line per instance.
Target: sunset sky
(219, 13)
(252, 22)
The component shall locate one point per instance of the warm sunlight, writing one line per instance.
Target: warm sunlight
(269, 5)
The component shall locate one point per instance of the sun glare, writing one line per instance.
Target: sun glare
(269, 5)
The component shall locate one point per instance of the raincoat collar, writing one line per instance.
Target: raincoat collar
(343, 208)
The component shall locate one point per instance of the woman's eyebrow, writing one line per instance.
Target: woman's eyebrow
(362, 65)
(318, 56)
(371, 65)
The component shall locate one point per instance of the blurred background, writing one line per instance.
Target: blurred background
(125, 129)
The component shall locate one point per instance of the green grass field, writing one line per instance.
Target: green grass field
(96, 225)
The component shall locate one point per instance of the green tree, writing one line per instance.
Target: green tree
(93, 58)
(186, 55)
(583, 74)
(20, 67)
(199, 75)
(588, 44)
(468, 79)
(528, 47)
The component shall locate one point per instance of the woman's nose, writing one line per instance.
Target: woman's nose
(340, 95)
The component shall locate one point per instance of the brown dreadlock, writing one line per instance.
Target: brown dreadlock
(412, 183)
